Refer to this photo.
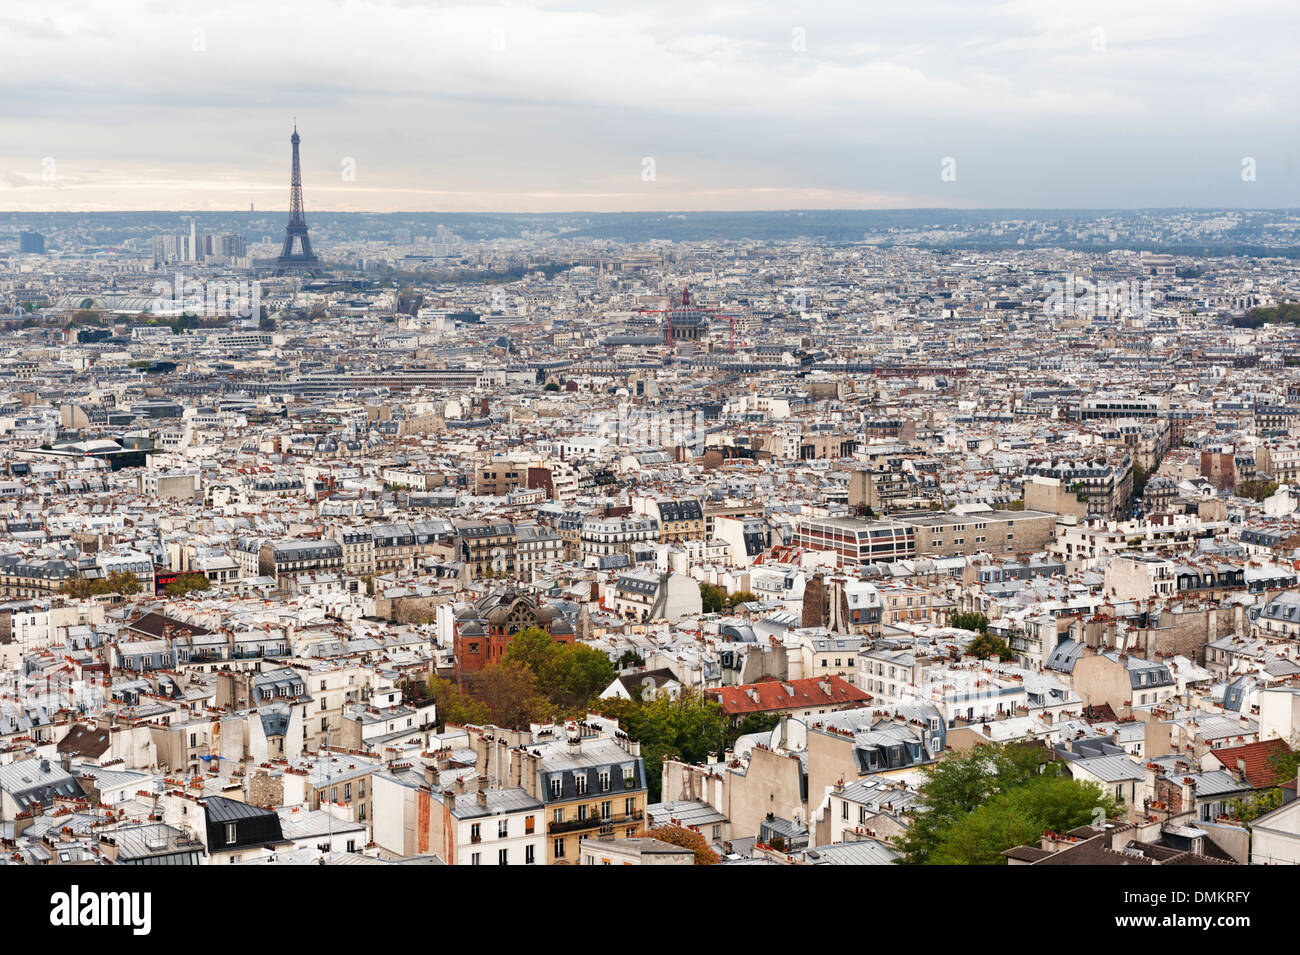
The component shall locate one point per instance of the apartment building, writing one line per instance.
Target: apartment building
(292, 558)
(358, 544)
(679, 519)
(487, 546)
(590, 786)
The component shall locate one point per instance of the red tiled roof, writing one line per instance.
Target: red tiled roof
(1259, 773)
(773, 696)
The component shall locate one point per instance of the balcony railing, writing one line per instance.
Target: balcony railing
(595, 822)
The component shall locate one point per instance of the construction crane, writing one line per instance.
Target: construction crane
(686, 305)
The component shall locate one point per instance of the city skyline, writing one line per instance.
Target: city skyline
(1015, 105)
(536, 433)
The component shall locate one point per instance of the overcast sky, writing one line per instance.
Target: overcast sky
(604, 106)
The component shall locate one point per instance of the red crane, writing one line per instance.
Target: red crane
(687, 305)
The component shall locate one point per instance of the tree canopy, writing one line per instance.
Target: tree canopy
(1019, 816)
(987, 645)
(123, 582)
(979, 803)
(1247, 809)
(186, 583)
(569, 675)
(715, 599)
(687, 839)
(537, 679)
(970, 620)
(688, 728)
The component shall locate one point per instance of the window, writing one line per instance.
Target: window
(529, 825)
(629, 806)
(528, 853)
(582, 813)
(559, 848)
(475, 833)
(503, 828)
(475, 859)
(230, 833)
(555, 787)
(604, 780)
(503, 857)
(606, 809)
(580, 782)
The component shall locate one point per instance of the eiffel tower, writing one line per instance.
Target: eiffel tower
(304, 260)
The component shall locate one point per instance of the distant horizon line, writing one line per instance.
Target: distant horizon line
(662, 212)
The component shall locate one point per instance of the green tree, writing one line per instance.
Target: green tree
(1249, 808)
(534, 648)
(510, 691)
(78, 588)
(186, 583)
(1020, 815)
(688, 728)
(122, 582)
(960, 783)
(1285, 764)
(970, 620)
(1257, 490)
(753, 723)
(713, 598)
(1139, 479)
(578, 676)
(740, 597)
(630, 658)
(453, 706)
(571, 675)
(987, 645)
